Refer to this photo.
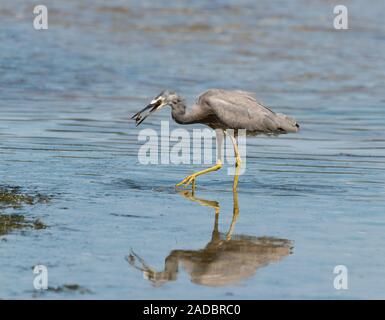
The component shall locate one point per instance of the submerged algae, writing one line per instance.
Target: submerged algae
(13, 198)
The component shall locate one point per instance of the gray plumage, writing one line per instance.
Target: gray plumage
(224, 109)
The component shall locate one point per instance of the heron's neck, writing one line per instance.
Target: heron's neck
(180, 113)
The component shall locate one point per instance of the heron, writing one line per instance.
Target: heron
(226, 259)
(222, 110)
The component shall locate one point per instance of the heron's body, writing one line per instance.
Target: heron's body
(225, 109)
(222, 110)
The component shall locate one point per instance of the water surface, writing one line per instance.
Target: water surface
(307, 202)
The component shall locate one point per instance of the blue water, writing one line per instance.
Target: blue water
(307, 201)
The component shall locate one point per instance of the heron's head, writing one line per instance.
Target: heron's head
(163, 99)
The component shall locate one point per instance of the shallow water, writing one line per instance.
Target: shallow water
(307, 201)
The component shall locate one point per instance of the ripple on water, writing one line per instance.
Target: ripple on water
(65, 131)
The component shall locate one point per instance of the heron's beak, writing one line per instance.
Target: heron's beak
(142, 114)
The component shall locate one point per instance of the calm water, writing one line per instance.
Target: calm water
(307, 202)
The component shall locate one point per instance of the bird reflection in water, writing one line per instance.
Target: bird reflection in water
(226, 259)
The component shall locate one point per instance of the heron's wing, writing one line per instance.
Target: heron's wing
(240, 110)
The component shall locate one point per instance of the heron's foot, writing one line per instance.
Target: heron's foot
(191, 179)
(187, 181)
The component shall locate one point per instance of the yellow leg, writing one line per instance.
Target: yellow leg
(191, 179)
(235, 215)
(238, 160)
(235, 183)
